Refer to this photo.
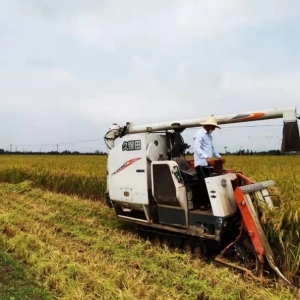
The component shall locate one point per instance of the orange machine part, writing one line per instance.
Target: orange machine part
(217, 164)
(249, 223)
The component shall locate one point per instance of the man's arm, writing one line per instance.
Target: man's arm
(215, 153)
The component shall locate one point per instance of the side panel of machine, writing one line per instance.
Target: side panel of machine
(169, 193)
(128, 170)
(221, 195)
(156, 145)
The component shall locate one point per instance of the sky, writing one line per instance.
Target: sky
(71, 68)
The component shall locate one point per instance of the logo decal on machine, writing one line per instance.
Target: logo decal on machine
(131, 145)
(125, 165)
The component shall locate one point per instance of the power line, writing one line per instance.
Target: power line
(81, 141)
(38, 145)
(263, 137)
(55, 144)
(230, 129)
(266, 125)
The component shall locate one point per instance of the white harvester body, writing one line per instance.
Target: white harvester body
(151, 184)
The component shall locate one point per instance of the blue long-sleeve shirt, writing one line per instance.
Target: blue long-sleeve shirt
(203, 147)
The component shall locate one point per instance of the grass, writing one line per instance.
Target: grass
(84, 176)
(15, 284)
(76, 249)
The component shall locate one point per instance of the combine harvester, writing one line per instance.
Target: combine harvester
(151, 184)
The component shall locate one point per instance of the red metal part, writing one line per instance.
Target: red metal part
(246, 179)
(249, 223)
(218, 165)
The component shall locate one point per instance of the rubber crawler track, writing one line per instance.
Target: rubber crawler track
(200, 248)
(172, 239)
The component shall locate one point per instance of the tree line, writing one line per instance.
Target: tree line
(242, 152)
(66, 152)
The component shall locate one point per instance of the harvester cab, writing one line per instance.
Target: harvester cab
(151, 184)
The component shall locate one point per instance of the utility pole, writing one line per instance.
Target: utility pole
(10, 147)
(57, 148)
(225, 149)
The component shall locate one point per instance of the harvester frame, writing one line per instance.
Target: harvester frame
(151, 184)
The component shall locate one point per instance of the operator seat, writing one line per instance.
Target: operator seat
(185, 167)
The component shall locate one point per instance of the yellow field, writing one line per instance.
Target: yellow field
(85, 175)
(75, 248)
(79, 175)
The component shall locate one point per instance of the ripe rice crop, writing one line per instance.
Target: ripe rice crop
(77, 250)
(74, 175)
(84, 176)
(282, 224)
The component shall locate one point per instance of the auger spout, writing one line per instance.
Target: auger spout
(289, 114)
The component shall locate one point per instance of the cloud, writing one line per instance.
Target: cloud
(73, 67)
(265, 90)
(170, 23)
(59, 75)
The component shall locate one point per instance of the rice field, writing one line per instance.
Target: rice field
(76, 249)
(74, 175)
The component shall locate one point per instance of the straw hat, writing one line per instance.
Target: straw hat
(211, 121)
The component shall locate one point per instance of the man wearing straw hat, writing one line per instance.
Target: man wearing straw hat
(204, 152)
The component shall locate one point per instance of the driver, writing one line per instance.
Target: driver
(204, 152)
